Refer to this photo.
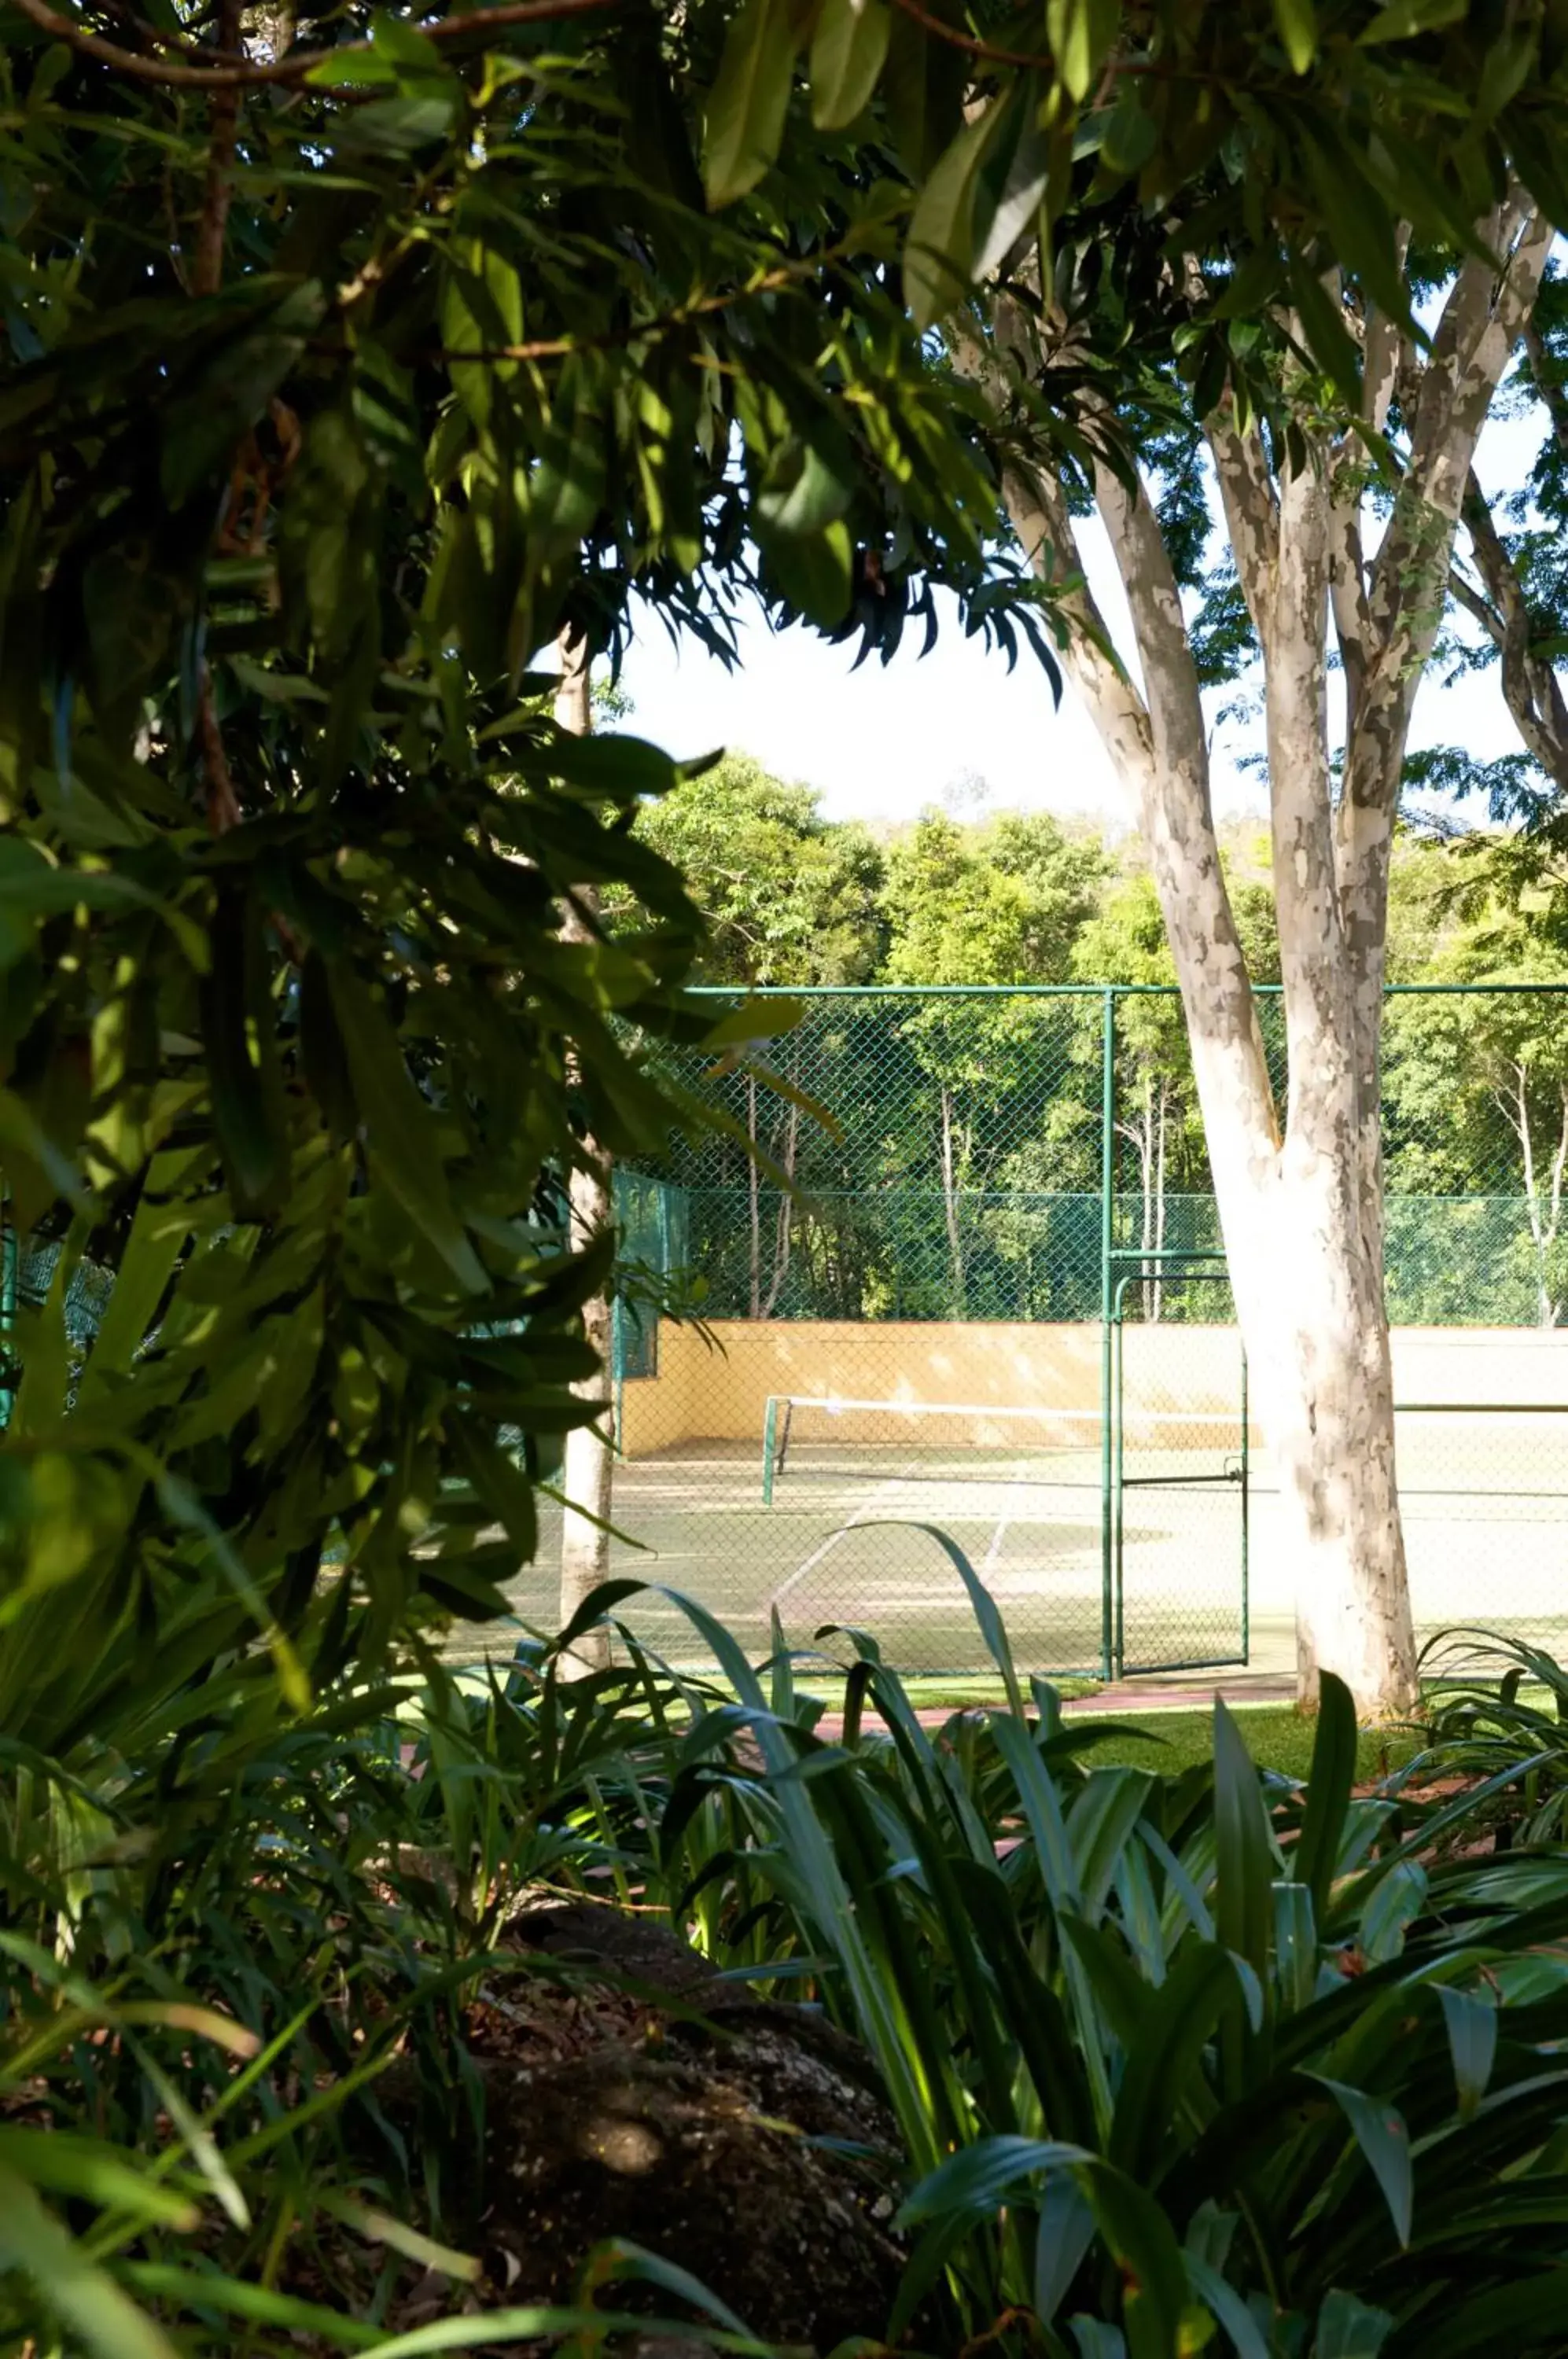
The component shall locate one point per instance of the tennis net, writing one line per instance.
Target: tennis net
(843, 1441)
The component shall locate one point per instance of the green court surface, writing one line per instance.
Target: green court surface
(857, 1544)
(863, 1539)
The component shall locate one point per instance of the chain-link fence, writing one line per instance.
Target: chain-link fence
(947, 1273)
(914, 1231)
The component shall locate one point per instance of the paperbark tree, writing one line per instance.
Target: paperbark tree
(1300, 1198)
(588, 1464)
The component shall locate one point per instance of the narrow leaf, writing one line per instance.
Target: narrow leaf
(1329, 1785)
(1384, 2142)
(849, 50)
(749, 99)
(1297, 24)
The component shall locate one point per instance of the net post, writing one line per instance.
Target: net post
(770, 1430)
(1107, 1239)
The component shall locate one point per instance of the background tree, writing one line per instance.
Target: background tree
(789, 897)
(997, 904)
(1287, 453)
(1477, 1086)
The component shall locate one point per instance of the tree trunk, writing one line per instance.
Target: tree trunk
(1301, 1211)
(784, 1228)
(587, 1477)
(950, 1202)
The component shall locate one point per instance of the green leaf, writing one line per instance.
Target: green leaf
(1329, 1785)
(849, 49)
(239, 1030)
(803, 489)
(926, 79)
(1405, 18)
(1396, 1900)
(939, 249)
(1081, 33)
(1384, 2142)
(1328, 338)
(567, 487)
(399, 1126)
(1297, 24)
(814, 573)
(322, 1053)
(398, 126)
(499, 1480)
(1162, 2074)
(1472, 2027)
(81, 2294)
(1244, 1860)
(1100, 1825)
(750, 98)
(1295, 1947)
(1063, 2236)
(1247, 2339)
(1349, 2327)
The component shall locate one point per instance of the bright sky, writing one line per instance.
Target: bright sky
(880, 743)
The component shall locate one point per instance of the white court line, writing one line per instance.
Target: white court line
(861, 1516)
(995, 1550)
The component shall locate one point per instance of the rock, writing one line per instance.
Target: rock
(704, 2157)
(750, 2146)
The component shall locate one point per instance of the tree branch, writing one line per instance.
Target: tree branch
(1252, 516)
(207, 269)
(1531, 687)
(1552, 392)
(171, 74)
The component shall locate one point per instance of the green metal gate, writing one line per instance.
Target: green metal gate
(1178, 1474)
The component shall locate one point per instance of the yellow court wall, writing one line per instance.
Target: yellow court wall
(718, 1390)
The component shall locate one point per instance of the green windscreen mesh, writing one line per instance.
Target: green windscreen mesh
(859, 1325)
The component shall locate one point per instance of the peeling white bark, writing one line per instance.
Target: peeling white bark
(1301, 1206)
(588, 1468)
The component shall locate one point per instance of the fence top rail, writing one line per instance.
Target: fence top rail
(740, 990)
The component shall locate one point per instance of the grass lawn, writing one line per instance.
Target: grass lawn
(1277, 1736)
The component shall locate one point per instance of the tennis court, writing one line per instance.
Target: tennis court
(1486, 1503)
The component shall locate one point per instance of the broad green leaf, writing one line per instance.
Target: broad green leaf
(82, 2295)
(1295, 1947)
(924, 88)
(1100, 1826)
(1162, 2075)
(750, 98)
(1329, 1784)
(1246, 2337)
(1065, 2231)
(1349, 2327)
(1404, 19)
(940, 247)
(1081, 33)
(814, 572)
(1472, 2027)
(1395, 1901)
(398, 126)
(400, 1127)
(848, 51)
(1328, 340)
(803, 489)
(239, 1028)
(1297, 24)
(1245, 1866)
(1384, 2142)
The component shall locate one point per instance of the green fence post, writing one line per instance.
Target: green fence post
(769, 1441)
(1108, 1243)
